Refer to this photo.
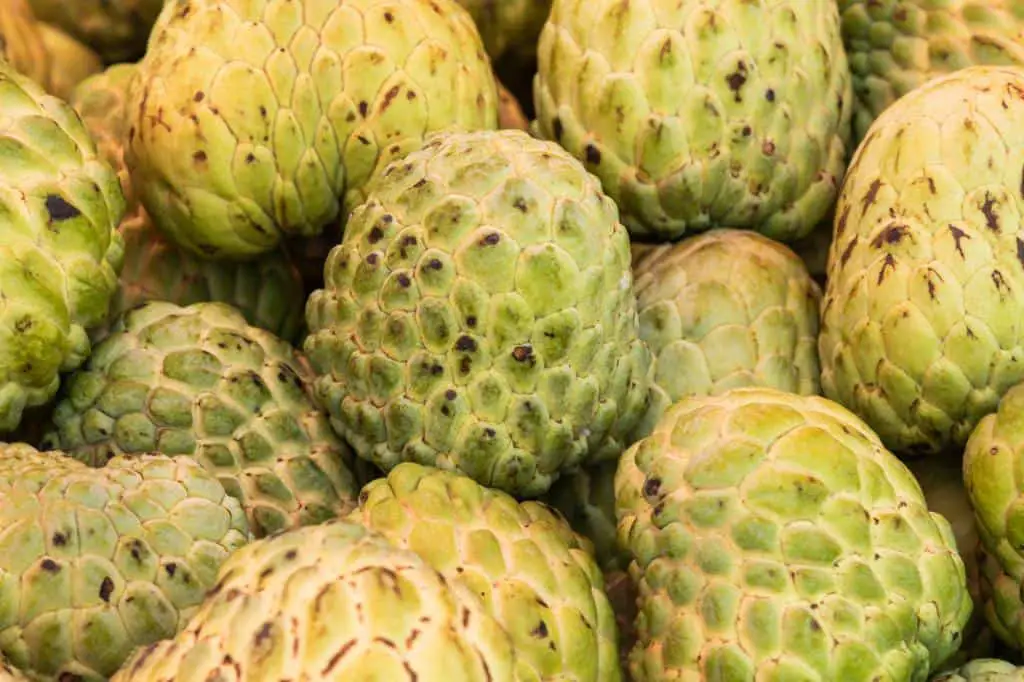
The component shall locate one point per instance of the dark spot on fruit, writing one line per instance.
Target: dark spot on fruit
(199, 156)
(198, 97)
(350, 117)
(652, 486)
(491, 239)
(889, 264)
(736, 80)
(420, 183)
(436, 370)
(263, 633)
(999, 280)
(389, 97)
(404, 281)
(892, 235)
(958, 235)
(872, 194)
(290, 555)
(747, 131)
(465, 344)
(263, 111)
(106, 588)
(250, 158)
(59, 209)
(465, 364)
(446, 411)
(768, 148)
(489, 432)
(541, 631)
(848, 251)
(519, 204)
(375, 235)
(171, 568)
(389, 17)
(372, 259)
(522, 353)
(769, 95)
(50, 566)
(593, 154)
(450, 394)
(471, 321)
(23, 324)
(988, 209)
(434, 264)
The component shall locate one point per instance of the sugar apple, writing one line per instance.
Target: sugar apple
(254, 119)
(702, 114)
(332, 602)
(60, 205)
(534, 575)
(895, 46)
(95, 562)
(724, 309)
(479, 315)
(983, 670)
(919, 329)
(774, 537)
(200, 381)
(509, 26)
(117, 29)
(586, 499)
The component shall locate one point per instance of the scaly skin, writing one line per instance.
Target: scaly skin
(701, 113)
(256, 120)
(333, 603)
(983, 670)
(895, 46)
(774, 537)
(60, 205)
(96, 562)
(522, 360)
(920, 331)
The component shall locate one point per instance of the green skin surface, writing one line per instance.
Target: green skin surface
(983, 670)
(535, 576)
(920, 322)
(895, 46)
(479, 315)
(116, 29)
(773, 537)
(334, 603)
(60, 205)
(200, 381)
(702, 113)
(332, 92)
(96, 562)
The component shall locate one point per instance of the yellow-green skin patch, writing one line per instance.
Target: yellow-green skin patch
(921, 328)
(702, 113)
(336, 603)
(60, 255)
(479, 315)
(774, 537)
(252, 121)
(96, 562)
(983, 670)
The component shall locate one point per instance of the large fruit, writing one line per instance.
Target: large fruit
(95, 562)
(920, 323)
(983, 670)
(479, 315)
(200, 381)
(117, 29)
(774, 537)
(532, 572)
(335, 603)
(726, 309)
(256, 120)
(895, 46)
(60, 205)
(703, 113)
(509, 26)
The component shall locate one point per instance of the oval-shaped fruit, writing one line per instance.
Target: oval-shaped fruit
(701, 113)
(921, 321)
(479, 315)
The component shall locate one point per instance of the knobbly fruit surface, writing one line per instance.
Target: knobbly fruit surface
(774, 537)
(60, 204)
(533, 574)
(983, 670)
(253, 121)
(702, 113)
(334, 603)
(96, 562)
(200, 381)
(895, 46)
(479, 315)
(920, 332)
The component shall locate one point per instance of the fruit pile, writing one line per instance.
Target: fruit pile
(512, 340)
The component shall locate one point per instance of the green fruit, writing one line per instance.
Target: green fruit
(533, 574)
(200, 381)
(773, 537)
(509, 26)
(896, 46)
(703, 113)
(253, 120)
(479, 315)
(333, 603)
(60, 204)
(116, 29)
(920, 331)
(587, 500)
(722, 310)
(983, 670)
(95, 562)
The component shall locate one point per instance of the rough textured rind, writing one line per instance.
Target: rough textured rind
(774, 537)
(116, 29)
(895, 46)
(921, 329)
(722, 310)
(587, 500)
(200, 381)
(509, 26)
(535, 576)
(95, 562)
(334, 603)
(256, 120)
(703, 113)
(60, 205)
(983, 670)
(479, 315)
